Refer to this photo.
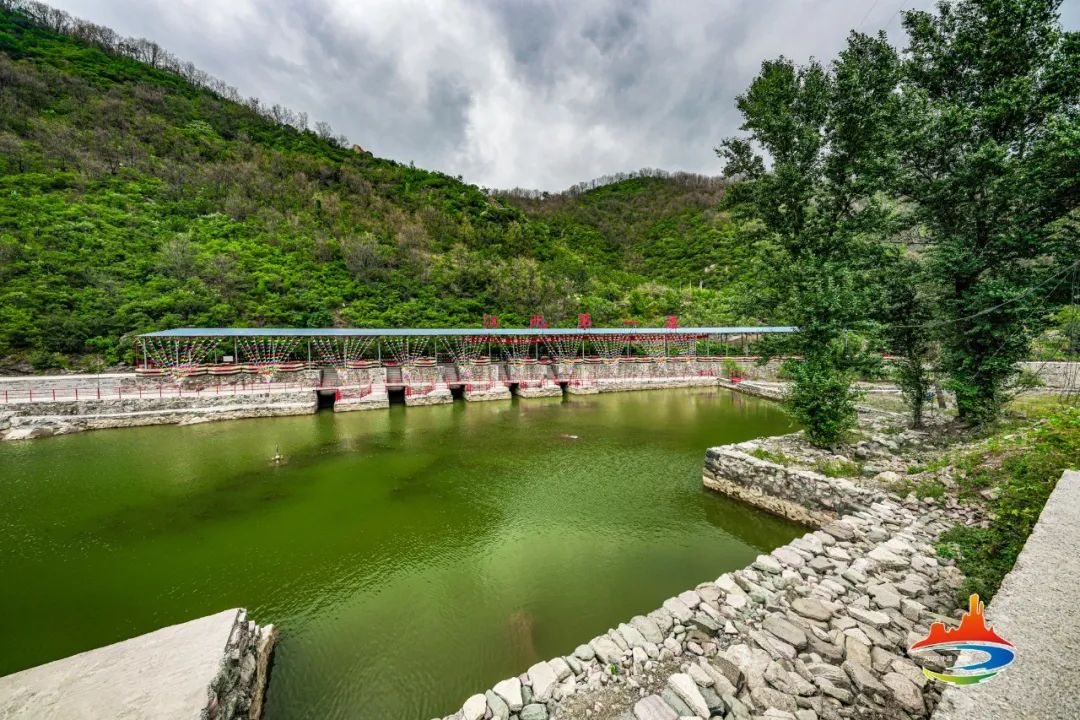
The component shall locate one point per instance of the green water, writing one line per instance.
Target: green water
(410, 557)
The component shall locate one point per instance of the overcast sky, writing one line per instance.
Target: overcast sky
(507, 92)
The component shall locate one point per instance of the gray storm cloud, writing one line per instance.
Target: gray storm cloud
(505, 93)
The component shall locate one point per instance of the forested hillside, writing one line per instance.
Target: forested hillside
(132, 199)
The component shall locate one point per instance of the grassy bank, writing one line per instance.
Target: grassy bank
(1013, 473)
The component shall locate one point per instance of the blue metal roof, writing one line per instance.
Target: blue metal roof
(452, 332)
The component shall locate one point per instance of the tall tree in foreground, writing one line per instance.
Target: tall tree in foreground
(988, 150)
(908, 331)
(819, 206)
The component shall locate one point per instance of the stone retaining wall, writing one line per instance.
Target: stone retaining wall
(213, 668)
(800, 495)
(1055, 375)
(43, 419)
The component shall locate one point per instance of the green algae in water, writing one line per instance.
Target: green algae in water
(410, 557)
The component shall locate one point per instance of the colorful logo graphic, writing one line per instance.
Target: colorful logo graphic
(972, 634)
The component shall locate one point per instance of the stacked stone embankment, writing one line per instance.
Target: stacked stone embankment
(818, 628)
(212, 668)
(25, 421)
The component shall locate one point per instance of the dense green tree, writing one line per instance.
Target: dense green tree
(907, 321)
(820, 209)
(987, 149)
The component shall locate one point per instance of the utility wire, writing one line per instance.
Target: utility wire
(867, 15)
(1021, 296)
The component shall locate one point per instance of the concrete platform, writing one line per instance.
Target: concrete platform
(497, 392)
(435, 397)
(374, 401)
(213, 667)
(540, 392)
(1035, 609)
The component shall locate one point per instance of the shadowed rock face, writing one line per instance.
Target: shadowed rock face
(211, 667)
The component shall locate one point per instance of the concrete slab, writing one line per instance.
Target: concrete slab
(163, 675)
(1035, 609)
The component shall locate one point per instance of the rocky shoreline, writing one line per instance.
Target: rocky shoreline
(818, 628)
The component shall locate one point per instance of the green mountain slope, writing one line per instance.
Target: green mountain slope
(132, 200)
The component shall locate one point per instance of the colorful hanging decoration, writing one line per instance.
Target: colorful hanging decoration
(181, 357)
(341, 352)
(465, 349)
(516, 349)
(563, 348)
(408, 350)
(266, 354)
(682, 346)
(652, 346)
(609, 347)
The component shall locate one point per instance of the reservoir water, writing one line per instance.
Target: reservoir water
(410, 557)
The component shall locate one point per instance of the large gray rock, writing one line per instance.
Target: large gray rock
(584, 652)
(789, 557)
(887, 558)
(542, 678)
(782, 628)
(863, 678)
(653, 707)
(631, 635)
(606, 649)
(812, 608)
(535, 711)
(684, 686)
(648, 629)
(768, 564)
(499, 709)
(690, 598)
(510, 691)
(672, 699)
(729, 670)
(474, 708)
(560, 668)
(873, 618)
(678, 609)
(765, 697)
(904, 692)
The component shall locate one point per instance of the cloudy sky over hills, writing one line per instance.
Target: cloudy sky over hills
(507, 92)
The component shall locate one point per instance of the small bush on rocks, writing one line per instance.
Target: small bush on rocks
(821, 398)
(775, 457)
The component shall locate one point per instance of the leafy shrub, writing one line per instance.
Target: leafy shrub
(732, 368)
(821, 398)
